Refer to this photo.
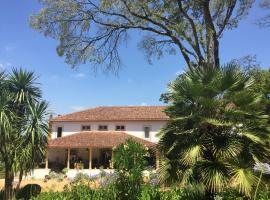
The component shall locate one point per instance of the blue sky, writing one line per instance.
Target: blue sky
(137, 83)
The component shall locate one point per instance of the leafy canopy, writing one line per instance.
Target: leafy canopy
(92, 31)
(217, 131)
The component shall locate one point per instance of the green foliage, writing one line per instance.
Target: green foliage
(81, 177)
(218, 129)
(191, 192)
(50, 196)
(1, 194)
(2, 172)
(28, 191)
(80, 192)
(129, 163)
(23, 124)
(65, 171)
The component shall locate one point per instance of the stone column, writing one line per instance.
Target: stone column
(68, 159)
(46, 161)
(112, 160)
(90, 157)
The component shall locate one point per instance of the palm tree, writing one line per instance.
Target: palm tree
(217, 130)
(34, 140)
(23, 124)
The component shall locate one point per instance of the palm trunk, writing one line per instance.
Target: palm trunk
(9, 178)
(20, 180)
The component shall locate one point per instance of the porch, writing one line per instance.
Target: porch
(79, 158)
(91, 150)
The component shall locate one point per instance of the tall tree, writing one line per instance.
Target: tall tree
(23, 127)
(92, 31)
(265, 21)
(218, 129)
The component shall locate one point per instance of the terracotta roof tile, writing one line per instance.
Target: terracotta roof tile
(116, 113)
(100, 139)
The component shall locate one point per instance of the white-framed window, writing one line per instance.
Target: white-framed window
(86, 128)
(102, 127)
(59, 131)
(120, 128)
(146, 130)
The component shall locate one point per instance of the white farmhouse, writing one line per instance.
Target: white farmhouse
(84, 140)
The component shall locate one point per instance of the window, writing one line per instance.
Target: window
(120, 128)
(86, 128)
(102, 127)
(146, 132)
(59, 132)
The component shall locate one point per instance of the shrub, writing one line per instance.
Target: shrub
(54, 175)
(153, 178)
(28, 191)
(150, 193)
(81, 177)
(65, 171)
(1, 194)
(50, 196)
(129, 162)
(79, 191)
(108, 180)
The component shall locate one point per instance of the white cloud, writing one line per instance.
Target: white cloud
(10, 48)
(77, 108)
(143, 104)
(79, 75)
(54, 77)
(4, 65)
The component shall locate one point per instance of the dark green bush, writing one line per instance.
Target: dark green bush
(50, 196)
(83, 192)
(150, 193)
(129, 162)
(28, 191)
(81, 177)
(1, 194)
(79, 192)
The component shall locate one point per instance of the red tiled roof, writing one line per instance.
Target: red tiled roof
(116, 113)
(99, 139)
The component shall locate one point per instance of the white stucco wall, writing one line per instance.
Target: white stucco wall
(135, 128)
(71, 173)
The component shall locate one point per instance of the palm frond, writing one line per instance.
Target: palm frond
(214, 175)
(191, 155)
(244, 180)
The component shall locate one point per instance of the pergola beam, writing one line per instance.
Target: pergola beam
(46, 161)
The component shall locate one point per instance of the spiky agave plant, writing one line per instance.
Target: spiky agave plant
(217, 130)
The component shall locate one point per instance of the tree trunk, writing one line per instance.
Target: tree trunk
(9, 178)
(209, 195)
(211, 37)
(20, 180)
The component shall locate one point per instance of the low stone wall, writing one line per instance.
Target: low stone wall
(71, 173)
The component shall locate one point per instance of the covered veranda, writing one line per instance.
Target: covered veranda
(90, 150)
